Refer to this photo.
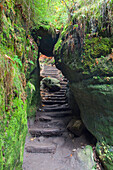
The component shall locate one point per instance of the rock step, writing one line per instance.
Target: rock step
(63, 86)
(55, 123)
(54, 98)
(56, 106)
(49, 115)
(60, 93)
(40, 148)
(63, 82)
(50, 102)
(50, 74)
(50, 69)
(59, 108)
(58, 114)
(62, 90)
(45, 118)
(48, 132)
(50, 106)
(55, 95)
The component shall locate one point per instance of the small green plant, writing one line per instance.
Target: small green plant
(17, 60)
(31, 109)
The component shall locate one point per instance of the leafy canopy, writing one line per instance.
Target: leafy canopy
(56, 13)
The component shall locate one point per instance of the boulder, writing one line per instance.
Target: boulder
(90, 75)
(76, 127)
(52, 84)
(85, 157)
(86, 60)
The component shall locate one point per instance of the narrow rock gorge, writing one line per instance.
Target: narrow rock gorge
(76, 37)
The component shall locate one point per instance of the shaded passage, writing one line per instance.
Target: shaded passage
(50, 145)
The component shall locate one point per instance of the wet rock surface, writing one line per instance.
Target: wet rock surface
(49, 144)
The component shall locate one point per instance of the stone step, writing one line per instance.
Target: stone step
(48, 132)
(51, 102)
(58, 114)
(63, 82)
(54, 123)
(62, 90)
(56, 106)
(36, 147)
(63, 86)
(50, 106)
(59, 108)
(60, 93)
(55, 95)
(51, 69)
(54, 98)
(56, 77)
(51, 74)
(45, 118)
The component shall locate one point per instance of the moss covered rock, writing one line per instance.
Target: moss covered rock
(86, 59)
(76, 127)
(85, 156)
(18, 54)
(105, 153)
(13, 116)
(52, 84)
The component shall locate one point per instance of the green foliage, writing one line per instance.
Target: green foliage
(13, 122)
(31, 108)
(58, 44)
(18, 61)
(97, 47)
(105, 153)
(15, 61)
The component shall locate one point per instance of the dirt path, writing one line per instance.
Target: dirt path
(49, 145)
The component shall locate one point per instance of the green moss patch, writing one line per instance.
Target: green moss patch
(105, 153)
(13, 117)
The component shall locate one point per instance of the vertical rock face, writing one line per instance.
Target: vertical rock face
(87, 62)
(16, 52)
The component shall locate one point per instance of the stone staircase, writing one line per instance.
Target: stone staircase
(53, 117)
(50, 146)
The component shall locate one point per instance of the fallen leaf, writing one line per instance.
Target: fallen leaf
(32, 139)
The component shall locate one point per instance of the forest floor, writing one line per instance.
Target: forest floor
(49, 145)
